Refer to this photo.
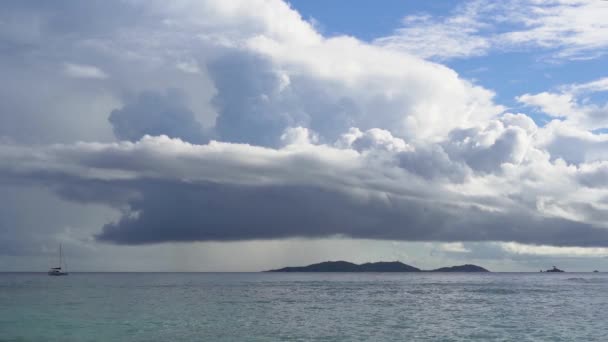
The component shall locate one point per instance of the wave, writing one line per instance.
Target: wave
(587, 280)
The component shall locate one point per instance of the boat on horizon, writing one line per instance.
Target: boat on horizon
(60, 270)
(554, 270)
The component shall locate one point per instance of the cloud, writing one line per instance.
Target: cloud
(116, 43)
(24, 235)
(486, 149)
(457, 36)
(268, 87)
(84, 71)
(188, 67)
(248, 71)
(574, 145)
(555, 105)
(574, 29)
(517, 248)
(314, 136)
(454, 247)
(299, 136)
(569, 30)
(374, 138)
(229, 192)
(571, 104)
(152, 113)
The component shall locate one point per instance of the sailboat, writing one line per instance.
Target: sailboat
(59, 271)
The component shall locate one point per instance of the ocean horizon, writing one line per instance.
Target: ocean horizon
(256, 306)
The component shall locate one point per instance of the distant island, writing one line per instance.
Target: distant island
(462, 268)
(383, 266)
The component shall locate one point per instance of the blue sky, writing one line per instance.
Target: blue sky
(209, 135)
(509, 72)
(365, 19)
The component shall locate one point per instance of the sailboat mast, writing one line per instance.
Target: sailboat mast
(59, 270)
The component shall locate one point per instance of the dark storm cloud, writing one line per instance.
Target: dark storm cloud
(173, 191)
(34, 221)
(153, 113)
(219, 212)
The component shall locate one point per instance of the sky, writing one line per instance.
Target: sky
(244, 135)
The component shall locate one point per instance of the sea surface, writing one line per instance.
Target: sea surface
(304, 307)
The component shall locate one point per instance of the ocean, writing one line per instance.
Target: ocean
(304, 307)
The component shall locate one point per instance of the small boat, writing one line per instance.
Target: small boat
(60, 270)
(554, 270)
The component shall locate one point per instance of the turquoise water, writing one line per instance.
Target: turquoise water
(303, 307)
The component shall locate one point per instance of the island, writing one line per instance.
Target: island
(461, 268)
(382, 266)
